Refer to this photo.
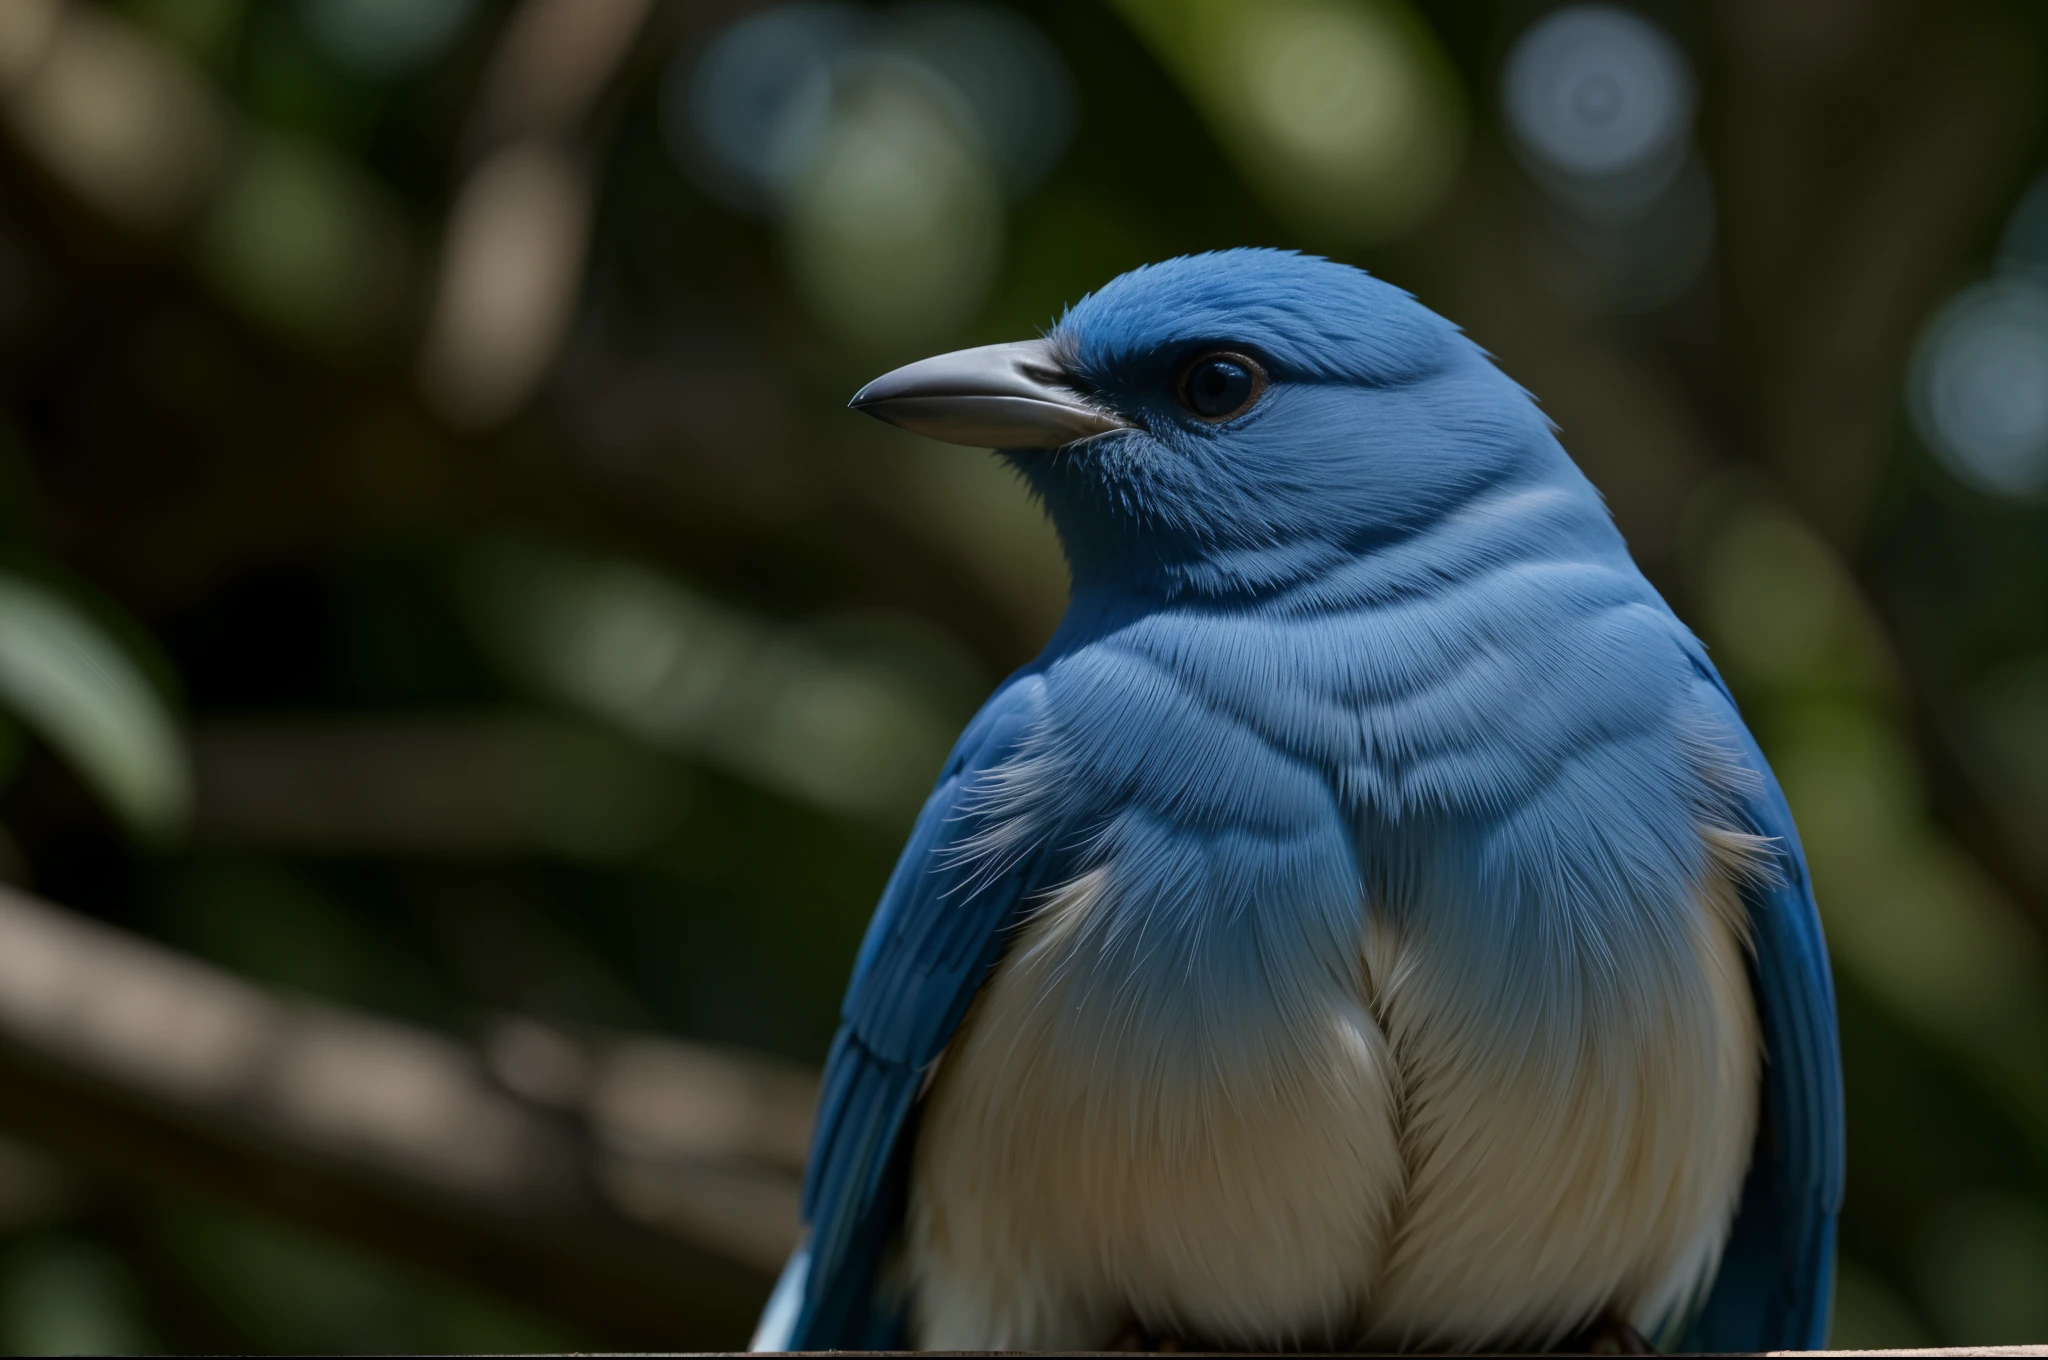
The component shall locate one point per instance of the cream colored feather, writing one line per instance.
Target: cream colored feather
(1367, 1163)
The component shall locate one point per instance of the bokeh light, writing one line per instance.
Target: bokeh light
(303, 242)
(381, 38)
(512, 261)
(1979, 387)
(127, 124)
(896, 225)
(885, 140)
(1331, 87)
(745, 115)
(1016, 91)
(1341, 113)
(1600, 102)
(26, 31)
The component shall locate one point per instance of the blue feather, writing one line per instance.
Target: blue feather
(1776, 1282)
(933, 939)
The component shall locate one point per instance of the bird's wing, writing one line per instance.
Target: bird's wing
(1776, 1278)
(934, 938)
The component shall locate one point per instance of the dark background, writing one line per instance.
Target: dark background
(441, 587)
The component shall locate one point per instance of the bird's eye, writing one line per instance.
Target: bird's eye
(1219, 386)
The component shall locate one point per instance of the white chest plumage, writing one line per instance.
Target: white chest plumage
(1370, 1162)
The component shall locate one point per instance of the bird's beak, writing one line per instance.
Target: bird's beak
(1015, 396)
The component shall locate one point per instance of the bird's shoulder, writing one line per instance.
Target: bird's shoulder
(954, 885)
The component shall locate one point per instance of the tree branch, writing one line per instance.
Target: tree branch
(642, 1187)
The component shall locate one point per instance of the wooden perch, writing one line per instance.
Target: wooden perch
(645, 1188)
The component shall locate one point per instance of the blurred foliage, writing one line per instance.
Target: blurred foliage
(429, 523)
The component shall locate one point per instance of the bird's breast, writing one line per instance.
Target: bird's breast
(1396, 993)
(1364, 1156)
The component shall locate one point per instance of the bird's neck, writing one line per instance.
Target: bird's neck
(1116, 579)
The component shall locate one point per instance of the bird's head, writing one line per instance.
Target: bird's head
(1234, 421)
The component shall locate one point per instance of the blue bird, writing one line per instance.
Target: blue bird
(1367, 923)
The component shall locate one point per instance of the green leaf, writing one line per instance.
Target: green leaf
(74, 685)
